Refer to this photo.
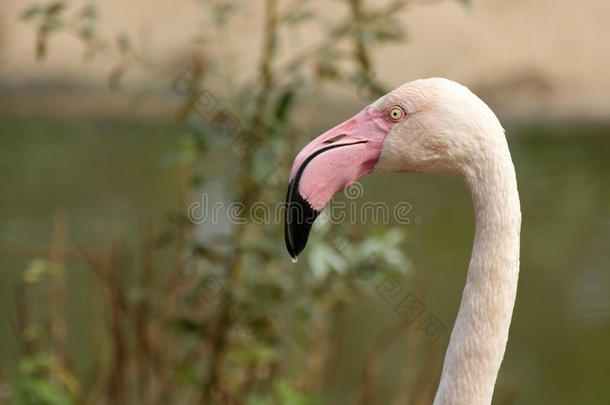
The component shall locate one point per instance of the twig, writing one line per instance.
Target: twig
(365, 389)
(234, 267)
(24, 249)
(23, 319)
(424, 392)
(108, 272)
(58, 325)
(142, 312)
(340, 316)
(315, 359)
(409, 370)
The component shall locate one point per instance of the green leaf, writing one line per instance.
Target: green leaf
(88, 31)
(123, 43)
(299, 16)
(223, 13)
(36, 270)
(256, 400)
(50, 25)
(89, 22)
(288, 395)
(188, 148)
(41, 46)
(324, 259)
(34, 364)
(90, 11)
(187, 375)
(50, 394)
(185, 325)
(283, 105)
(55, 8)
(257, 354)
(275, 43)
(389, 33)
(31, 12)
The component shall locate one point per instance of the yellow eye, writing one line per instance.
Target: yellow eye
(396, 113)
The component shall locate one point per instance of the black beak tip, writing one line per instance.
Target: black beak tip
(299, 217)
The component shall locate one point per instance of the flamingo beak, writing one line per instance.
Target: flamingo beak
(328, 165)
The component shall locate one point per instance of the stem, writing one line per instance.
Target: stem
(314, 362)
(247, 195)
(266, 76)
(58, 325)
(338, 346)
(362, 55)
(267, 52)
(366, 388)
(142, 314)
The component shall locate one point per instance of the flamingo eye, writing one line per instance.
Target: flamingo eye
(396, 113)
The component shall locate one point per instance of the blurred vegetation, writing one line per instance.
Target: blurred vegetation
(227, 322)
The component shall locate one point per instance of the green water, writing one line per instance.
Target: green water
(110, 172)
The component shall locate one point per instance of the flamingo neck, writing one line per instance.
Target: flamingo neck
(480, 332)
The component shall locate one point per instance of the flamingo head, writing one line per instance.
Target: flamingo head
(430, 125)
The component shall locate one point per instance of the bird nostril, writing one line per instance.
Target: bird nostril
(336, 138)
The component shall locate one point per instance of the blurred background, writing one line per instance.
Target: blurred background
(123, 124)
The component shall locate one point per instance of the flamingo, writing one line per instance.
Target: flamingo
(432, 126)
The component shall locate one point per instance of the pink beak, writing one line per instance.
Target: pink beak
(328, 165)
